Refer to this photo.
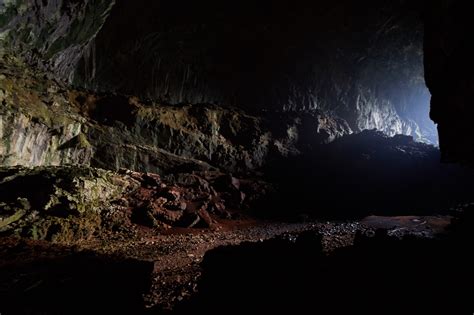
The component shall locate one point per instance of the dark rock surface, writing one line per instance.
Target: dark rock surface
(62, 32)
(378, 274)
(370, 173)
(37, 278)
(449, 66)
(270, 55)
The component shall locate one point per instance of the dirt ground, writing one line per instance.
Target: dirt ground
(174, 256)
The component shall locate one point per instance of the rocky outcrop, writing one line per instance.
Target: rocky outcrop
(206, 137)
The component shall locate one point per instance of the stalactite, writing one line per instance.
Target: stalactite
(94, 58)
(183, 82)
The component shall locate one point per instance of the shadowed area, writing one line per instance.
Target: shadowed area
(377, 275)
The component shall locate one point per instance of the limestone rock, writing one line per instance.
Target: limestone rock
(112, 131)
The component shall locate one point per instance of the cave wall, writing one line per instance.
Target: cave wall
(51, 34)
(449, 68)
(349, 58)
(44, 122)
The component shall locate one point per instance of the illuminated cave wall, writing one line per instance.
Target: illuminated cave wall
(359, 61)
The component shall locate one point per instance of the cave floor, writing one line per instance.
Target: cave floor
(173, 258)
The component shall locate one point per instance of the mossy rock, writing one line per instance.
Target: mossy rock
(60, 204)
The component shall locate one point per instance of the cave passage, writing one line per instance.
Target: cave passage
(176, 157)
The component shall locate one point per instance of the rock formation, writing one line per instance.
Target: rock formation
(449, 67)
(45, 123)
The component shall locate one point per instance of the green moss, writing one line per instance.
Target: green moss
(34, 233)
(83, 142)
(73, 200)
(78, 142)
(26, 91)
(12, 219)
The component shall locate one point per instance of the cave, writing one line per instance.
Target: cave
(177, 157)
